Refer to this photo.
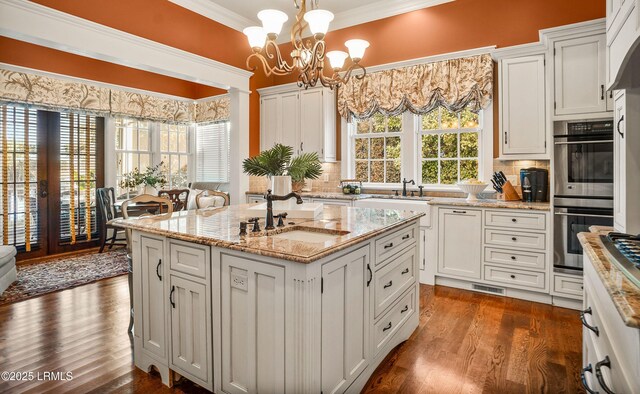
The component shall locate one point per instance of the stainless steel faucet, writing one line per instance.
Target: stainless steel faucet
(404, 186)
(270, 199)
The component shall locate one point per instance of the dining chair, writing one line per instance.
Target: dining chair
(205, 198)
(174, 195)
(106, 205)
(133, 204)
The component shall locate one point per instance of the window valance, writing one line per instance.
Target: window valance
(57, 94)
(453, 84)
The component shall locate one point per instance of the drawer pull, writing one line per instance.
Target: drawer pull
(389, 245)
(514, 220)
(405, 271)
(406, 237)
(388, 327)
(173, 304)
(604, 363)
(588, 311)
(514, 239)
(586, 369)
(388, 284)
(513, 257)
(459, 211)
(370, 275)
(158, 270)
(512, 276)
(406, 308)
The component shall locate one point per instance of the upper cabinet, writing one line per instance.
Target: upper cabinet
(580, 76)
(623, 32)
(522, 108)
(303, 119)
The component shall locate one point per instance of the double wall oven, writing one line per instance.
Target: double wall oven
(583, 187)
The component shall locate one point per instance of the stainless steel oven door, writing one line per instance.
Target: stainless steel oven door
(567, 223)
(583, 167)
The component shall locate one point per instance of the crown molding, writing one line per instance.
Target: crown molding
(216, 12)
(27, 21)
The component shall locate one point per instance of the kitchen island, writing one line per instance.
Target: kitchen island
(310, 307)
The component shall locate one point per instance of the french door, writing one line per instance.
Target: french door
(50, 165)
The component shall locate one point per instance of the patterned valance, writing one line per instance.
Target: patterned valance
(143, 106)
(215, 110)
(453, 84)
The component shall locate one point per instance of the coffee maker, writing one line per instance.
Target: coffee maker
(535, 184)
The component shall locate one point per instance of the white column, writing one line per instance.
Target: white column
(109, 152)
(239, 145)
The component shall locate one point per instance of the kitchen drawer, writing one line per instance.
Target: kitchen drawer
(393, 320)
(393, 279)
(568, 285)
(189, 258)
(515, 220)
(514, 239)
(515, 277)
(394, 243)
(515, 258)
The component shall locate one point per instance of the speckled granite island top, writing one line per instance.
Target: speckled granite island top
(220, 227)
(624, 294)
(489, 203)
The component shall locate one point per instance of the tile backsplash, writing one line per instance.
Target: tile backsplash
(511, 169)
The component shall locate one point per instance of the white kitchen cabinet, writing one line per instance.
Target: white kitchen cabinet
(580, 75)
(191, 350)
(626, 145)
(153, 314)
(302, 119)
(346, 347)
(253, 326)
(460, 242)
(522, 108)
(623, 31)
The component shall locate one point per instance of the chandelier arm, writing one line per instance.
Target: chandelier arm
(268, 70)
(272, 51)
(299, 26)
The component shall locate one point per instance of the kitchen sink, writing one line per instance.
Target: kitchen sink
(308, 234)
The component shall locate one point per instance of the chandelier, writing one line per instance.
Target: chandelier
(308, 55)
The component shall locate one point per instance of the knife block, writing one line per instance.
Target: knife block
(509, 193)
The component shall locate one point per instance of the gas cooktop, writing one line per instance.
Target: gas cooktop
(624, 250)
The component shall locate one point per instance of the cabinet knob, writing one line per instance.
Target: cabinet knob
(512, 276)
(514, 220)
(513, 257)
(514, 239)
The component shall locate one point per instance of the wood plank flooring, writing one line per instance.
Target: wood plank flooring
(466, 343)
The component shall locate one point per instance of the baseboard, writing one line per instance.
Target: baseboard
(509, 292)
(568, 303)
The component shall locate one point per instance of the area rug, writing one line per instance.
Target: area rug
(64, 273)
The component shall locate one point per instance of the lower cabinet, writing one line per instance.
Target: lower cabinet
(345, 320)
(253, 326)
(460, 254)
(153, 314)
(191, 350)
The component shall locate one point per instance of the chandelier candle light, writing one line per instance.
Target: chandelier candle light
(308, 55)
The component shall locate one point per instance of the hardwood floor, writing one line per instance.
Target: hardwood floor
(466, 342)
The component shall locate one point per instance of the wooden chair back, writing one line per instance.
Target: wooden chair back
(207, 193)
(145, 199)
(174, 195)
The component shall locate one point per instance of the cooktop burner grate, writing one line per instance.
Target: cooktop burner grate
(624, 250)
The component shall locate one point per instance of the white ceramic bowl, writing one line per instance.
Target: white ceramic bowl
(472, 190)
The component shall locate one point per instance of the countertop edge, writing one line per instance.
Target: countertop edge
(626, 314)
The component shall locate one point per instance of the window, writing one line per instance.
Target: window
(448, 146)
(212, 152)
(133, 150)
(174, 150)
(377, 149)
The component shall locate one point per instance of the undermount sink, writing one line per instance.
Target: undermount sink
(308, 234)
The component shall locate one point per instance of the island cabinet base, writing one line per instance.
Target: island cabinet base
(235, 322)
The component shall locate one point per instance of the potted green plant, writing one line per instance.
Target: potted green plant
(284, 170)
(146, 182)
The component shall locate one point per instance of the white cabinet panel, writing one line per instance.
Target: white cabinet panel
(312, 121)
(522, 106)
(253, 326)
(619, 167)
(580, 75)
(345, 320)
(191, 329)
(153, 301)
(460, 242)
(270, 125)
(290, 118)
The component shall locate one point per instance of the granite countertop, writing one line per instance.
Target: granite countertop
(624, 294)
(327, 195)
(220, 227)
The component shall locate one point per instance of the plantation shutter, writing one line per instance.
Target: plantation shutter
(212, 152)
(77, 178)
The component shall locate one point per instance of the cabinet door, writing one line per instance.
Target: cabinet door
(191, 329)
(253, 326)
(153, 300)
(270, 122)
(459, 242)
(345, 320)
(312, 121)
(523, 106)
(619, 164)
(290, 121)
(580, 75)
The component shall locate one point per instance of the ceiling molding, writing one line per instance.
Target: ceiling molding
(28, 21)
(216, 12)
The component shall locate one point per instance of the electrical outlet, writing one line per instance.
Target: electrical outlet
(325, 178)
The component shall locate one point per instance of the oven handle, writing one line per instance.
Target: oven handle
(589, 215)
(581, 142)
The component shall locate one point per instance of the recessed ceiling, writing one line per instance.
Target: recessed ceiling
(239, 14)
